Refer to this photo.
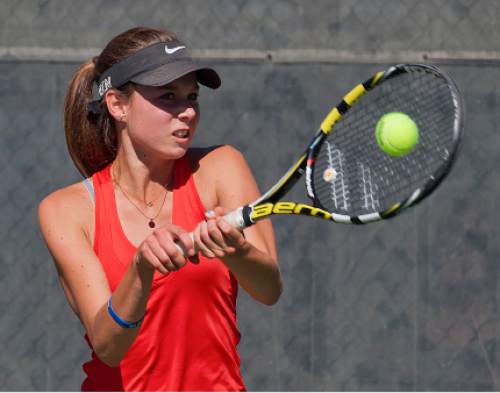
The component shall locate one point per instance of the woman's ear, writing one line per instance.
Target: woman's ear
(117, 104)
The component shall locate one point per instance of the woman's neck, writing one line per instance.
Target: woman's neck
(142, 181)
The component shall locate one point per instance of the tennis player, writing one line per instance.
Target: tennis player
(154, 320)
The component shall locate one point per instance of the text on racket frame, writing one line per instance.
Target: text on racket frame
(269, 208)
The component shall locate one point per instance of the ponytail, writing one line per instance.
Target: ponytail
(92, 138)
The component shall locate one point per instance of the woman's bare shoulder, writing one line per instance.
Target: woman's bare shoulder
(216, 170)
(70, 204)
(74, 194)
(217, 156)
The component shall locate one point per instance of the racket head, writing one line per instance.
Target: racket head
(351, 177)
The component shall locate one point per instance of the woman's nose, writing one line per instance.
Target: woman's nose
(188, 113)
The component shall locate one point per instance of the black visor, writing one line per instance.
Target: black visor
(155, 65)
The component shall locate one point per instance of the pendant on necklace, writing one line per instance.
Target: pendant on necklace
(151, 224)
(149, 204)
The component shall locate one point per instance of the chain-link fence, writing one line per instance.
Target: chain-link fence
(457, 25)
(411, 304)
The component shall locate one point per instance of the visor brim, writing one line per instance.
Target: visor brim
(168, 73)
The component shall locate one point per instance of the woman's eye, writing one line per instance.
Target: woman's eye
(168, 96)
(171, 97)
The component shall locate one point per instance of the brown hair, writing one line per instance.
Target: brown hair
(91, 138)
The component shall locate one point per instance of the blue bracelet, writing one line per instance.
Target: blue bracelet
(121, 322)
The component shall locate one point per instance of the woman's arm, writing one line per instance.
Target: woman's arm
(251, 256)
(64, 218)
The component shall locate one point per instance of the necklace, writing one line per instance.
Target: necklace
(152, 202)
(151, 222)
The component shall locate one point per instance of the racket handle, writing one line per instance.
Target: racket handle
(234, 218)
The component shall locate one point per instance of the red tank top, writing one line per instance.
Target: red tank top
(188, 339)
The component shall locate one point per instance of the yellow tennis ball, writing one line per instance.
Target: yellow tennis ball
(396, 134)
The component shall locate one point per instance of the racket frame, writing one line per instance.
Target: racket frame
(270, 203)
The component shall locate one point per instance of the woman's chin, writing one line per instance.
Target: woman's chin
(174, 153)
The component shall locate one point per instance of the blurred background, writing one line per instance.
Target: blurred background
(408, 304)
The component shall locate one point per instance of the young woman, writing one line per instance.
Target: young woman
(155, 320)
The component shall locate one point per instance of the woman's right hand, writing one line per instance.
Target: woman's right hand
(159, 251)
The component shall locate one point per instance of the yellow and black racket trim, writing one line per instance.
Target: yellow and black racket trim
(270, 203)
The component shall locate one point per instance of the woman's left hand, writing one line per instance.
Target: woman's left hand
(216, 238)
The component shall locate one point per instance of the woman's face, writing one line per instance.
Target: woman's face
(161, 121)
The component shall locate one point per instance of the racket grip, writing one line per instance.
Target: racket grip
(234, 218)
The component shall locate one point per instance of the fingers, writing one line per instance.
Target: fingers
(159, 250)
(147, 257)
(215, 238)
(185, 242)
(234, 238)
(202, 240)
(165, 242)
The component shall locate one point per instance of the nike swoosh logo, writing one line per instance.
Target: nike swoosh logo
(170, 51)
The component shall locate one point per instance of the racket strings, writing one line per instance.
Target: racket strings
(353, 176)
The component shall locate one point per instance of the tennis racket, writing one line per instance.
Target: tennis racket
(348, 177)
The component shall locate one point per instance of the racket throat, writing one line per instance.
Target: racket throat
(246, 211)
